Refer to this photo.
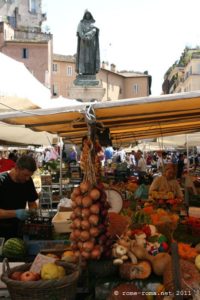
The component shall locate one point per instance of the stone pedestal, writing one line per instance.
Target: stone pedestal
(87, 88)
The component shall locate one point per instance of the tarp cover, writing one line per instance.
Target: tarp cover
(19, 89)
(129, 120)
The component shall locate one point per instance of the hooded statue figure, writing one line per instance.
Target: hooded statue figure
(87, 58)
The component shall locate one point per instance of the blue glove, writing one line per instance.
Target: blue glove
(22, 214)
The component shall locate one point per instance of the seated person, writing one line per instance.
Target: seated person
(167, 183)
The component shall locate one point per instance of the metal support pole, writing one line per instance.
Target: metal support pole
(60, 180)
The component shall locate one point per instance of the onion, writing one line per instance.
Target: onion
(87, 201)
(88, 246)
(94, 231)
(76, 191)
(77, 223)
(84, 235)
(77, 211)
(78, 200)
(93, 219)
(85, 213)
(80, 245)
(77, 233)
(77, 253)
(84, 186)
(72, 216)
(72, 226)
(94, 209)
(85, 224)
(95, 194)
(102, 239)
(96, 253)
(72, 236)
(102, 228)
(85, 254)
(104, 213)
(74, 205)
(73, 196)
(74, 246)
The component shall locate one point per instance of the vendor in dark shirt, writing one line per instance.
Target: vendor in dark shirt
(16, 191)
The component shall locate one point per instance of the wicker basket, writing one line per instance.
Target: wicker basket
(60, 289)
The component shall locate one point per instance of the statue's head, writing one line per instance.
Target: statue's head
(88, 16)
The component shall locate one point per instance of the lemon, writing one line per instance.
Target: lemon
(52, 271)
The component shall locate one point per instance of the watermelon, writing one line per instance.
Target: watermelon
(14, 248)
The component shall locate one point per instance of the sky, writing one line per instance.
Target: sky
(135, 35)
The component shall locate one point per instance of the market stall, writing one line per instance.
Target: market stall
(133, 245)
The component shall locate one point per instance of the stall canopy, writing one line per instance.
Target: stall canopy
(128, 120)
(192, 140)
(19, 89)
(19, 135)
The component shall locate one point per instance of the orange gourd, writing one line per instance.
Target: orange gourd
(186, 251)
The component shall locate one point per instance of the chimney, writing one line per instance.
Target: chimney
(105, 65)
(113, 68)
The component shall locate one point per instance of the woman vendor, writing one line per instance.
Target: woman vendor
(167, 183)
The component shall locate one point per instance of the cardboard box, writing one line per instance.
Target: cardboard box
(62, 222)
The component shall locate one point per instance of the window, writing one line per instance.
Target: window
(136, 88)
(55, 68)
(198, 69)
(69, 71)
(24, 53)
(32, 6)
(55, 90)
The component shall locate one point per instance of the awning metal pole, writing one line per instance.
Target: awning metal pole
(187, 147)
(60, 179)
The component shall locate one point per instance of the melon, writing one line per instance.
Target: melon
(14, 248)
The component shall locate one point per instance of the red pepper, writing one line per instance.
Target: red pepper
(146, 229)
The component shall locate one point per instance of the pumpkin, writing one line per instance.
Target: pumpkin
(158, 262)
(131, 271)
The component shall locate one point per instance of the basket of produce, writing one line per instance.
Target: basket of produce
(56, 281)
(189, 276)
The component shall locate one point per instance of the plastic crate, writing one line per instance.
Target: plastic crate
(38, 227)
(62, 222)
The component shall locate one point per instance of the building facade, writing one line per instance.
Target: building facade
(117, 85)
(21, 38)
(183, 75)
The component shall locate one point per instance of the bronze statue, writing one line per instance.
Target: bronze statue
(88, 58)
